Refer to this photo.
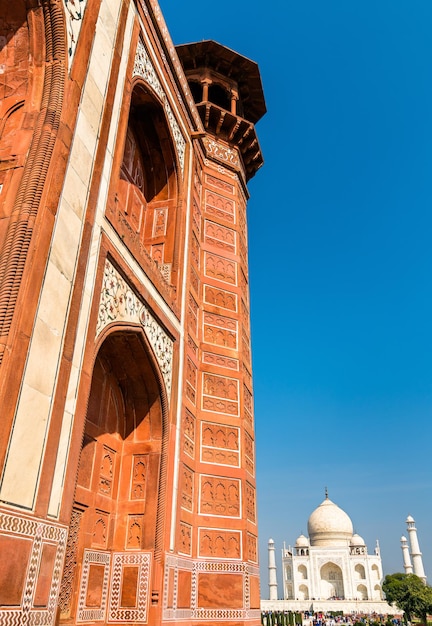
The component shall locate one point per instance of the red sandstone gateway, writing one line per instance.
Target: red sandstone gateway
(127, 489)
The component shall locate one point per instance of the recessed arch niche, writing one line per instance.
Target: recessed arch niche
(147, 188)
(118, 505)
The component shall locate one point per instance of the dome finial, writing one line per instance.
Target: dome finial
(326, 493)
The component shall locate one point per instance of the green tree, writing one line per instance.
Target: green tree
(410, 594)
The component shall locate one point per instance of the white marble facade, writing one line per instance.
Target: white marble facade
(331, 566)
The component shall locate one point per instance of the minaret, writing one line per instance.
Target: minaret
(273, 590)
(405, 555)
(416, 555)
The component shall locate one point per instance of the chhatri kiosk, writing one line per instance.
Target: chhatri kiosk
(330, 570)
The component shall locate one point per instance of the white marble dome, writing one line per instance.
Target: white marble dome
(356, 540)
(328, 525)
(302, 542)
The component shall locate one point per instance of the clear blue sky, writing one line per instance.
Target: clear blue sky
(340, 226)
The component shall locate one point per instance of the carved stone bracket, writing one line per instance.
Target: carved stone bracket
(143, 67)
(118, 302)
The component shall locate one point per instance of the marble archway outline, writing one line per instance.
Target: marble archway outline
(119, 303)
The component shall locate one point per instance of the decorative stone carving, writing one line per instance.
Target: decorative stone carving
(187, 488)
(143, 67)
(249, 453)
(220, 331)
(220, 237)
(185, 538)
(191, 380)
(70, 562)
(221, 153)
(118, 302)
(220, 360)
(123, 561)
(219, 206)
(38, 533)
(252, 550)
(134, 533)
(250, 503)
(220, 444)
(188, 427)
(219, 184)
(74, 10)
(139, 477)
(93, 559)
(220, 496)
(219, 543)
(220, 297)
(220, 268)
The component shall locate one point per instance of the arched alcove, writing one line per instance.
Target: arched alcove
(147, 189)
(116, 504)
(362, 593)
(332, 585)
(359, 571)
(303, 593)
(302, 572)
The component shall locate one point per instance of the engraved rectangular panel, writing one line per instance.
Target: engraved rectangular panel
(220, 268)
(220, 444)
(220, 394)
(249, 449)
(139, 477)
(106, 471)
(160, 221)
(12, 579)
(187, 488)
(220, 590)
(219, 207)
(252, 549)
(185, 539)
(250, 503)
(220, 236)
(191, 380)
(220, 360)
(219, 496)
(129, 569)
(188, 428)
(134, 532)
(219, 543)
(219, 184)
(220, 297)
(220, 330)
(95, 564)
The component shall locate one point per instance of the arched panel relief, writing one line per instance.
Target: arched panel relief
(74, 17)
(118, 302)
(143, 68)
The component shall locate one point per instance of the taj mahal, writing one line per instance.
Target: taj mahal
(330, 570)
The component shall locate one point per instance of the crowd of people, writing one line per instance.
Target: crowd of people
(288, 618)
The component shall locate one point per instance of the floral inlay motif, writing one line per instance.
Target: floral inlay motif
(74, 16)
(143, 67)
(118, 302)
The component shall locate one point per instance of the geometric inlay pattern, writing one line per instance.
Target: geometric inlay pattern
(96, 559)
(177, 564)
(143, 67)
(41, 533)
(118, 302)
(117, 613)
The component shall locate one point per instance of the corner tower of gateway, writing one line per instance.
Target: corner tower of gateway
(127, 486)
